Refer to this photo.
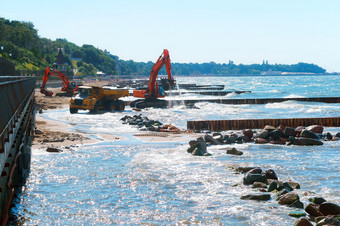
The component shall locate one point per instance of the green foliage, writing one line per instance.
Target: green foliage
(32, 54)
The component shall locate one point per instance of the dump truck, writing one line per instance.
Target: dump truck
(95, 98)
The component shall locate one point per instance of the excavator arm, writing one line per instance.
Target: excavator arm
(153, 91)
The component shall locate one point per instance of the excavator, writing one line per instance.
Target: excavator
(154, 91)
(69, 87)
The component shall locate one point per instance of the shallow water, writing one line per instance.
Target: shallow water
(132, 181)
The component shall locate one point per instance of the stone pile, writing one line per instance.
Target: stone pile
(146, 124)
(319, 210)
(312, 135)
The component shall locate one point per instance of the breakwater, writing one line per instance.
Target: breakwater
(16, 131)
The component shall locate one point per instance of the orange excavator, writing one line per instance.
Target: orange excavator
(69, 87)
(154, 91)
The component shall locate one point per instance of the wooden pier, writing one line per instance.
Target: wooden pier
(239, 124)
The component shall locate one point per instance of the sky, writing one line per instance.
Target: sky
(194, 31)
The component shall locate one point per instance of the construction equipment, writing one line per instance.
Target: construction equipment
(95, 98)
(68, 87)
(154, 91)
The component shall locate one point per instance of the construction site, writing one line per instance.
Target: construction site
(157, 109)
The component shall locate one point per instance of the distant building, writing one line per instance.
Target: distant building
(100, 73)
(63, 66)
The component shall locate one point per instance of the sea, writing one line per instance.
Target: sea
(133, 181)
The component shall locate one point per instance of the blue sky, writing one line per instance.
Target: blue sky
(245, 31)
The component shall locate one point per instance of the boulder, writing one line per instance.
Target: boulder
(211, 140)
(303, 222)
(259, 185)
(264, 134)
(315, 128)
(51, 149)
(269, 128)
(337, 134)
(298, 130)
(328, 208)
(261, 141)
(317, 200)
(250, 178)
(334, 138)
(256, 170)
(280, 141)
(260, 197)
(271, 174)
(233, 137)
(198, 149)
(289, 131)
(275, 134)
(249, 133)
(234, 151)
(328, 220)
(244, 169)
(294, 184)
(297, 204)
(328, 136)
(313, 210)
(272, 186)
(297, 214)
(287, 186)
(309, 134)
(288, 198)
(306, 141)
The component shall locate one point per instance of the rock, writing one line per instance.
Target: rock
(256, 170)
(294, 184)
(288, 198)
(280, 141)
(233, 137)
(38, 132)
(289, 131)
(234, 151)
(317, 200)
(218, 137)
(298, 130)
(282, 192)
(259, 185)
(307, 141)
(250, 178)
(328, 208)
(328, 136)
(261, 197)
(272, 186)
(198, 149)
(297, 204)
(211, 140)
(303, 222)
(193, 142)
(271, 174)
(275, 134)
(260, 141)
(329, 221)
(269, 128)
(334, 138)
(287, 186)
(249, 133)
(315, 128)
(313, 210)
(244, 169)
(50, 149)
(297, 214)
(264, 134)
(309, 134)
(337, 134)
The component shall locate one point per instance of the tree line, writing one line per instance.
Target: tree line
(21, 44)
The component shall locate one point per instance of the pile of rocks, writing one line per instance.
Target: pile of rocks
(267, 182)
(146, 124)
(312, 135)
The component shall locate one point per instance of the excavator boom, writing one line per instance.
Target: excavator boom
(154, 91)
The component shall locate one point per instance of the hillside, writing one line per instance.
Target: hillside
(21, 44)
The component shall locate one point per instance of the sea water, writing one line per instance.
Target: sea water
(133, 181)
